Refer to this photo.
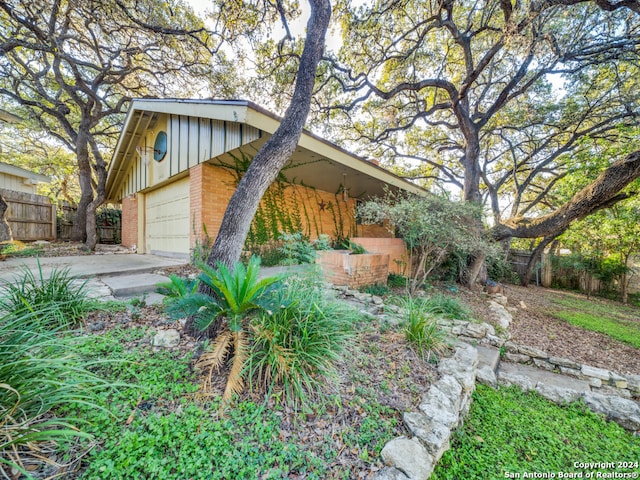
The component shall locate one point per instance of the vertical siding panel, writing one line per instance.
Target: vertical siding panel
(217, 138)
(233, 137)
(182, 163)
(205, 140)
(175, 139)
(249, 134)
(194, 139)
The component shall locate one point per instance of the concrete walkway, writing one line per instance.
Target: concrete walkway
(85, 266)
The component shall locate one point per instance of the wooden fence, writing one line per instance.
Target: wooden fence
(108, 232)
(30, 216)
(542, 273)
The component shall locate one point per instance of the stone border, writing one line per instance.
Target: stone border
(442, 410)
(444, 406)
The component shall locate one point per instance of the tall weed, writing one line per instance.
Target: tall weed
(421, 331)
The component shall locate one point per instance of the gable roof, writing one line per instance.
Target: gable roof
(23, 173)
(316, 161)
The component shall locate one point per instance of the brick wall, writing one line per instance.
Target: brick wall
(341, 268)
(394, 247)
(211, 188)
(130, 221)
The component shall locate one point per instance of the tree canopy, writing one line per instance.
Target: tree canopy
(72, 66)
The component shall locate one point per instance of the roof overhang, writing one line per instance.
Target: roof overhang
(29, 176)
(316, 162)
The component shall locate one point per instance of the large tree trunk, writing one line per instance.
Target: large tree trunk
(275, 153)
(79, 230)
(5, 229)
(101, 173)
(603, 192)
(277, 150)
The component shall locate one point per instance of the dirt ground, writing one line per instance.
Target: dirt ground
(533, 325)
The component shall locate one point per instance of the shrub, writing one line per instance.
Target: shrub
(323, 242)
(433, 228)
(296, 248)
(39, 373)
(394, 280)
(422, 332)
(176, 288)
(60, 296)
(295, 347)
(448, 307)
(356, 248)
(379, 289)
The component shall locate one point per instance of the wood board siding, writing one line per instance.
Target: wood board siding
(190, 141)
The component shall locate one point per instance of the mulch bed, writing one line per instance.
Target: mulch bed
(534, 326)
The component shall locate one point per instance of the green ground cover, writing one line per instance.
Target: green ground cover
(511, 432)
(620, 322)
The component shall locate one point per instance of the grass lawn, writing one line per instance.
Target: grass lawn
(621, 322)
(510, 431)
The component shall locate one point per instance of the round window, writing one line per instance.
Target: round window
(160, 146)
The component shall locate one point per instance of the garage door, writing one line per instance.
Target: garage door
(167, 219)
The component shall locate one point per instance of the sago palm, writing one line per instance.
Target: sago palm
(236, 293)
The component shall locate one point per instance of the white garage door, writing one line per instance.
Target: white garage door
(167, 219)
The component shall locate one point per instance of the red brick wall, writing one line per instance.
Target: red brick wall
(130, 221)
(394, 247)
(355, 271)
(211, 189)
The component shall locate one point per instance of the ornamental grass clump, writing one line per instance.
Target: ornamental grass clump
(423, 333)
(60, 295)
(39, 373)
(296, 346)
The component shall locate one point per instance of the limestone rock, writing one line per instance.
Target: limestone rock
(557, 394)
(166, 338)
(517, 357)
(390, 473)
(543, 364)
(506, 378)
(489, 328)
(573, 372)
(618, 381)
(532, 352)
(486, 376)
(595, 372)
(621, 410)
(466, 355)
(499, 298)
(564, 362)
(437, 407)
(633, 383)
(476, 330)
(450, 386)
(408, 456)
(433, 435)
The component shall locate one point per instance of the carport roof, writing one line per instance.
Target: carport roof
(316, 162)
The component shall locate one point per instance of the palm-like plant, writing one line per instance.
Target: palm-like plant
(236, 293)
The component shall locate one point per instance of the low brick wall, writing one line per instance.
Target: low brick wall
(394, 247)
(340, 267)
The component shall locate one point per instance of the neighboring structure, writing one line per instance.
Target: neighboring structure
(20, 180)
(177, 163)
(30, 216)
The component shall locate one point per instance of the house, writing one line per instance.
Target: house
(177, 163)
(20, 180)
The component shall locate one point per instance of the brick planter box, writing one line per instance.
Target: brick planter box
(340, 267)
